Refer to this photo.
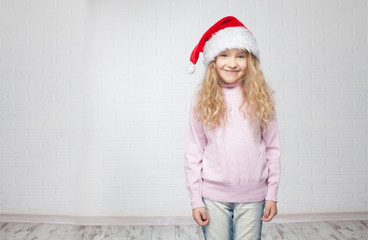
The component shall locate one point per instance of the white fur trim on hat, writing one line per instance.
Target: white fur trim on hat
(229, 38)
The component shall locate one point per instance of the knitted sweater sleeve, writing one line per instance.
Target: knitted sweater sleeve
(273, 154)
(195, 141)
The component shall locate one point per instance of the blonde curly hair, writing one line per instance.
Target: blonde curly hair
(258, 103)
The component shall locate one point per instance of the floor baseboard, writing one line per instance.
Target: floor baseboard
(185, 220)
(318, 217)
(98, 220)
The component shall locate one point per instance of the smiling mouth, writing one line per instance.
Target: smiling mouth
(231, 71)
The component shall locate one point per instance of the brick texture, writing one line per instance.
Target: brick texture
(94, 97)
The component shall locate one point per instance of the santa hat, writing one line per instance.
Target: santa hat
(227, 33)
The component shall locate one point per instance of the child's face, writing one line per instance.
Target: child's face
(231, 65)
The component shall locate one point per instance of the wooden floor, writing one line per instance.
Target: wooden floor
(312, 231)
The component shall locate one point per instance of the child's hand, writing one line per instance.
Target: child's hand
(199, 215)
(270, 211)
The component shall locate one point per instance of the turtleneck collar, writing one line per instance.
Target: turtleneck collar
(230, 85)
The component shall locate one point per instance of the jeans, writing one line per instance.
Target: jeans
(233, 221)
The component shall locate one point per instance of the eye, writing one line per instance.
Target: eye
(241, 56)
(223, 55)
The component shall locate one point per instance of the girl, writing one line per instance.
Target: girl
(232, 147)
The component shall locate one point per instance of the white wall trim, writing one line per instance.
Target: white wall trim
(81, 220)
(318, 217)
(98, 220)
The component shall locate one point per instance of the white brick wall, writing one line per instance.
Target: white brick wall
(94, 97)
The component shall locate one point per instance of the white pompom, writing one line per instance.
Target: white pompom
(191, 68)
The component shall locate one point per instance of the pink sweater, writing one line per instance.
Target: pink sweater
(228, 164)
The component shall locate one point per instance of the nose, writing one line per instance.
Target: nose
(232, 63)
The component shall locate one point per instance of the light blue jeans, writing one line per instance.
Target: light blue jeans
(233, 221)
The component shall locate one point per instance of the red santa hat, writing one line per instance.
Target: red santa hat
(227, 33)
